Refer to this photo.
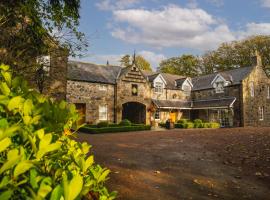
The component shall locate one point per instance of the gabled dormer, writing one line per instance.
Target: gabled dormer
(221, 81)
(132, 74)
(159, 83)
(185, 85)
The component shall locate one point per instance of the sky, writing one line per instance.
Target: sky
(160, 29)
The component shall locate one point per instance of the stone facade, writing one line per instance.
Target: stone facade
(151, 98)
(251, 103)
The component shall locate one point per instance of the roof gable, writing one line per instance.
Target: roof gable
(132, 73)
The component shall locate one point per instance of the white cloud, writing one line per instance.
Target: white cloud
(254, 29)
(172, 26)
(265, 3)
(153, 58)
(115, 4)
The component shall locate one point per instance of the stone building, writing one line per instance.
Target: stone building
(239, 97)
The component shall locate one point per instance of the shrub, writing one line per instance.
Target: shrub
(198, 123)
(179, 125)
(214, 125)
(115, 129)
(188, 125)
(182, 121)
(103, 124)
(125, 122)
(162, 124)
(39, 160)
(206, 125)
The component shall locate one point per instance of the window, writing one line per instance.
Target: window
(251, 87)
(103, 115)
(159, 87)
(268, 92)
(261, 114)
(157, 114)
(219, 86)
(187, 89)
(174, 96)
(134, 89)
(103, 87)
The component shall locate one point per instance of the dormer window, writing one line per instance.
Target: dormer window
(158, 87)
(219, 87)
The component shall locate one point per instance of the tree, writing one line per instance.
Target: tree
(34, 28)
(140, 61)
(238, 54)
(185, 65)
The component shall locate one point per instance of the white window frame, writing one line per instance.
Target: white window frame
(159, 87)
(103, 87)
(219, 87)
(251, 87)
(261, 113)
(157, 115)
(268, 92)
(103, 112)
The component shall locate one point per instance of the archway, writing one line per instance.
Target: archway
(134, 112)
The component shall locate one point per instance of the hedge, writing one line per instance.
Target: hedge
(197, 125)
(115, 129)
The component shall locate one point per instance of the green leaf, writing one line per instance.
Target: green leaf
(22, 167)
(57, 193)
(75, 186)
(45, 187)
(4, 144)
(27, 107)
(6, 195)
(40, 133)
(4, 100)
(4, 181)
(4, 88)
(103, 176)
(27, 120)
(8, 132)
(4, 67)
(89, 162)
(45, 141)
(62, 105)
(33, 178)
(13, 158)
(52, 147)
(3, 123)
(15, 103)
(7, 77)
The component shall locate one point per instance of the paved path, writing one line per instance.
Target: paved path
(186, 164)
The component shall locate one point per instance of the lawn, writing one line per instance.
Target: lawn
(186, 164)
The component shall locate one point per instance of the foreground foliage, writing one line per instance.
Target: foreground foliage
(38, 157)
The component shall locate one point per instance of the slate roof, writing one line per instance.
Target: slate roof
(172, 104)
(197, 104)
(213, 103)
(234, 75)
(89, 72)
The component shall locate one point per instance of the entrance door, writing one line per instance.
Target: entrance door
(81, 108)
(224, 118)
(173, 116)
(134, 112)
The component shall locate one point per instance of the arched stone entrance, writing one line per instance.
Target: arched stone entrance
(134, 112)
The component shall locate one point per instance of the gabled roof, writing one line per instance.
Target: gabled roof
(79, 71)
(234, 75)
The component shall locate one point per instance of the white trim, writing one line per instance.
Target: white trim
(268, 92)
(218, 75)
(261, 113)
(105, 112)
(160, 76)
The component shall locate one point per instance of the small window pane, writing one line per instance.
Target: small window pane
(103, 113)
(158, 87)
(157, 114)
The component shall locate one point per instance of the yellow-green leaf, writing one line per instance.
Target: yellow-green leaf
(15, 102)
(45, 141)
(57, 193)
(75, 187)
(6, 195)
(27, 120)
(103, 176)
(89, 161)
(27, 107)
(4, 67)
(4, 88)
(4, 144)
(22, 167)
(13, 158)
(7, 77)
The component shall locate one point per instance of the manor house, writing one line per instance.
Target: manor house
(238, 97)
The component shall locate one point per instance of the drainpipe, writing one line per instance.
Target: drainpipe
(115, 104)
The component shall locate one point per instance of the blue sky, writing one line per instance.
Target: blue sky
(159, 29)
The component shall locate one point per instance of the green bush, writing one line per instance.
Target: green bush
(198, 123)
(125, 122)
(189, 125)
(179, 125)
(182, 121)
(214, 125)
(115, 129)
(162, 124)
(103, 124)
(38, 158)
(206, 125)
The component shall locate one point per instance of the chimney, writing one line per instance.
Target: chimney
(257, 59)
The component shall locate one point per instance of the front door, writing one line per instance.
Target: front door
(173, 116)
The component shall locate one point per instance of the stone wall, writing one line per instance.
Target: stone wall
(91, 95)
(252, 104)
(229, 91)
